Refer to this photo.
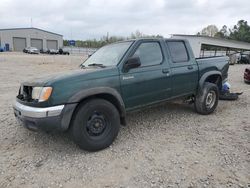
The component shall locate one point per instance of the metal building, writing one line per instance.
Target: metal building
(16, 39)
(197, 41)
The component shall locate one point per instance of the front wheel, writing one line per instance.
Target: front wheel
(206, 100)
(95, 124)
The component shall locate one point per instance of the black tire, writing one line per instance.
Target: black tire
(95, 124)
(207, 100)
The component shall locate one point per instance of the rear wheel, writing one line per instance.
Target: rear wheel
(95, 124)
(207, 99)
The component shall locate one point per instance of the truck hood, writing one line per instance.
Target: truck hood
(86, 73)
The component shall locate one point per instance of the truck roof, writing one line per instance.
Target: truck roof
(145, 39)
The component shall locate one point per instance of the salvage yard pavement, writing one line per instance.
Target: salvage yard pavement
(165, 146)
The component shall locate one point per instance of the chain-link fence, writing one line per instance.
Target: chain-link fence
(79, 50)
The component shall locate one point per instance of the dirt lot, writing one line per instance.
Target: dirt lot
(165, 146)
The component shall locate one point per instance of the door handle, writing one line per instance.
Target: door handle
(165, 71)
(190, 67)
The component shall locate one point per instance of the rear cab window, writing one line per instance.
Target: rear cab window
(178, 51)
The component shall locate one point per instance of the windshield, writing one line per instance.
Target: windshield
(108, 55)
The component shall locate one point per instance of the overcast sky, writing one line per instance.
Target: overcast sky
(88, 19)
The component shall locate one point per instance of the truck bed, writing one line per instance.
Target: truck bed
(219, 63)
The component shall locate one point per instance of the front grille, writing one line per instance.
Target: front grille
(25, 93)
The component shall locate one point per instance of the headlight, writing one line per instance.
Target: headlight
(41, 93)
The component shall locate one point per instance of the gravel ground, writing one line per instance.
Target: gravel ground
(165, 146)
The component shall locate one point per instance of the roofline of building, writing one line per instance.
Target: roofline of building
(30, 28)
(202, 36)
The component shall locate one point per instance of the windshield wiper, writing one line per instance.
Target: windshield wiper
(97, 64)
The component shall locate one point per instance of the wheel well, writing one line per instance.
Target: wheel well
(215, 79)
(112, 100)
(109, 98)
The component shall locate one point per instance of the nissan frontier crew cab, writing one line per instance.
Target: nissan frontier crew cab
(91, 102)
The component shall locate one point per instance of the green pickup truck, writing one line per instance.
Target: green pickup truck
(91, 102)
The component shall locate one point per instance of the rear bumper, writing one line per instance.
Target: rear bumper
(56, 118)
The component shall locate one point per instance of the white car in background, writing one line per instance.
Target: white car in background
(52, 51)
(31, 50)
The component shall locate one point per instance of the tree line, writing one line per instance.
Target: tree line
(240, 32)
(108, 39)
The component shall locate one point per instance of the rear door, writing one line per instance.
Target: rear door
(183, 67)
(150, 82)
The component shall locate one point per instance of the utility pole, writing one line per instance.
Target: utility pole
(31, 24)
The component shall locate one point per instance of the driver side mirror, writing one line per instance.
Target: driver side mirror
(131, 63)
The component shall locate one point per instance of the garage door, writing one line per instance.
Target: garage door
(52, 44)
(38, 43)
(19, 43)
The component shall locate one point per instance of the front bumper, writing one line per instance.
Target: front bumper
(55, 118)
(35, 112)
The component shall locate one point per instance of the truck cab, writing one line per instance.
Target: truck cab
(167, 70)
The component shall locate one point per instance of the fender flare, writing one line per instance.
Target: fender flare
(205, 76)
(85, 93)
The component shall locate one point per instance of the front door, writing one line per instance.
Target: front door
(151, 81)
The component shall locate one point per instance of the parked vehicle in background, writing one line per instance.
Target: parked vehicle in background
(234, 58)
(44, 51)
(245, 59)
(1, 49)
(62, 52)
(31, 50)
(247, 75)
(52, 51)
(92, 102)
(25, 50)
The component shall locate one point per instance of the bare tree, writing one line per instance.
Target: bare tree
(210, 30)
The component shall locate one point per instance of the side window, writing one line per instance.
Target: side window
(149, 53)
(178, 51)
